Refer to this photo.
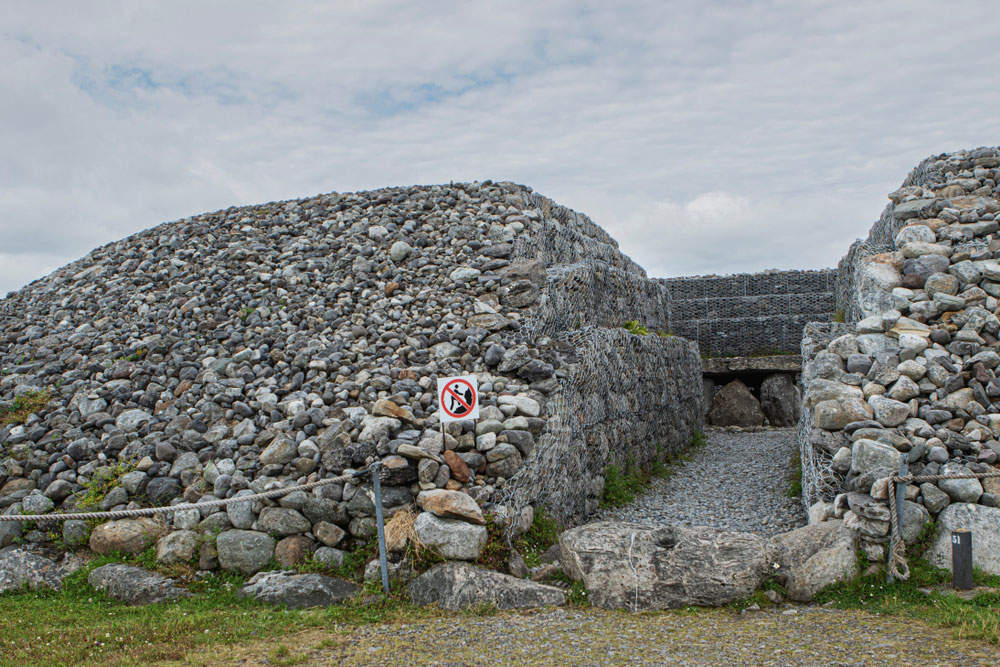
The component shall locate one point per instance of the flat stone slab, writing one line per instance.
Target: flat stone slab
(297, 591)
(134, 585)
(643, 568)
(779, 363)
(460, 585)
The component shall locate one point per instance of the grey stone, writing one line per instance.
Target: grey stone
(915, 517)
(244, 550)
(454, 539)
(21, 569)
(134, 585)
(889, 412)
(959, 490)
(984, 524)
(780, 401)
(935, 499)
(132, 420)
(458, 586)
(298, 591)
(734, 405)
(281, 521)
(869, 455)
(281, 450)
(834, 415)
(813, 557)
(674, 566)
(179, 546)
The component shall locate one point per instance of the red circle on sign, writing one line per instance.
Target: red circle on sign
(468, 405)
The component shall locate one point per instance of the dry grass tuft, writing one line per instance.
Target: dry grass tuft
(399, 530)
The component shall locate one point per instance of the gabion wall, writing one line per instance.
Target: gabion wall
(749, 313)
(625, 396)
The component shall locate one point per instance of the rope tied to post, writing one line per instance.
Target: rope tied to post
(152, 511)
(897, 566)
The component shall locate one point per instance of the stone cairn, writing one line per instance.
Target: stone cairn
(263, 347)
(915, 373)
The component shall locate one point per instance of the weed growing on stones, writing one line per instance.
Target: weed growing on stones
(104, 479)
(621, 485)
(25, 404)
(543, 533)
(794, 489)
(496, 551)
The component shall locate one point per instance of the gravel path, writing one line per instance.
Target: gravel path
(736, 482)
(800, 637)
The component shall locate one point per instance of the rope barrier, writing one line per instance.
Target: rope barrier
(897, 566)
(151, 511)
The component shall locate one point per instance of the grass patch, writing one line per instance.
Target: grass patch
(79, 625)
(923, 597)
(101, 482)
(27, 403)
(839, 316)
(633, 327)
(623, 484)
(794, 488)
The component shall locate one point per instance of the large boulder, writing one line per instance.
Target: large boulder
(134, 585)
(245, 551)
(297, 591)
(631, 566)
(779, 399)
(984, 524)
(128, 536)
(460, 585)
(454, 539)
(813, 557)
(20, 569)
(734, 405)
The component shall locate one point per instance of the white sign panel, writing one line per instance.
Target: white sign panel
(458, 398)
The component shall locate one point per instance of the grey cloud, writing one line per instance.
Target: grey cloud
(801, 116)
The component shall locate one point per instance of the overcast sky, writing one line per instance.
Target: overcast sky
(707, 137)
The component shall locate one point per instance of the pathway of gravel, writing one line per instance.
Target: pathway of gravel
(736, 482)
(803, 637)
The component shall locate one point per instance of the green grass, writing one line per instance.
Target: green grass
(633, 327)
(79, 625)
(794, 488)
(623, 483)
(24, 405)
(923, 597)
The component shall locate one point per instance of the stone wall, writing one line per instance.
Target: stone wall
(913, 376)
(263, 347)
(748, 314)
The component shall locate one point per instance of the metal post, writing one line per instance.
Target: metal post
(380, 523)
(961, 560)
(900, 491)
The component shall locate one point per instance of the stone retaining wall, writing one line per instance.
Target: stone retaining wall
(264, 347)
(749, 314)
(913, 376)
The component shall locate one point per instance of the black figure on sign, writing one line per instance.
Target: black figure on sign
(459, 399)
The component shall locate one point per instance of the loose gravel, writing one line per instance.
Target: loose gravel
(736, 482)
(781, 637)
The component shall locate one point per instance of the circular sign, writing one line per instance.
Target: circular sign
(458, 398)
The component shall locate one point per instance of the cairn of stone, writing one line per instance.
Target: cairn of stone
(268, 346)
(914, 372)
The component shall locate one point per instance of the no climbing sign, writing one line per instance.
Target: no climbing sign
(458, 398)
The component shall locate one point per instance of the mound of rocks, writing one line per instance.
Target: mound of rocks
(263, 347)
(916, 376)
